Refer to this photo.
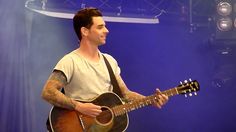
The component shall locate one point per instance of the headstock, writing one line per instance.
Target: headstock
(188, 87)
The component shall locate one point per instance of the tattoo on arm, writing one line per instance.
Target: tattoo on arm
(51, 91)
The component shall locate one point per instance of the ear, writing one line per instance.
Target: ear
(84, 31)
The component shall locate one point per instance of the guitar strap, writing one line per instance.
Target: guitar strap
(116, 88)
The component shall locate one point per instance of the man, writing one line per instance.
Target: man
(83, 73)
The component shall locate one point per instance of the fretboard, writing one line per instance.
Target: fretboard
(136, 104)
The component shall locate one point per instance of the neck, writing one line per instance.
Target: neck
(89, 51)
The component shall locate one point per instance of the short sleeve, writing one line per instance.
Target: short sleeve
(66, 65)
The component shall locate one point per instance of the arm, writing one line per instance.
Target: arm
(130, 95)
(51, 93)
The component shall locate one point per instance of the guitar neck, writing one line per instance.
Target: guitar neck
(136, 104)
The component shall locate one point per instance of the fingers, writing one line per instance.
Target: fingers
(158, 91)
(94, 113)
(162, 99)
(94, 110)
(158, 105)
(89, 109)
(159, 102)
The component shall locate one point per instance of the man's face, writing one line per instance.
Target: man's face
(98, 31)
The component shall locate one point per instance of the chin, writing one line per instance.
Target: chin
(103, 43)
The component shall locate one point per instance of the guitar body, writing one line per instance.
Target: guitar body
(63, 120)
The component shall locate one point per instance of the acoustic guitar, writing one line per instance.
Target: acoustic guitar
(114, 117)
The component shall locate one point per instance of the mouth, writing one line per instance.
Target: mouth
(104, 37)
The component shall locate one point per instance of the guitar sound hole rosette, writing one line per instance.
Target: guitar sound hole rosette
(105, 117)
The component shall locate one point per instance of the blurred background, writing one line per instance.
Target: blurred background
(157, 44)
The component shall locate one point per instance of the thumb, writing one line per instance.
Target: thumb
(158, 90)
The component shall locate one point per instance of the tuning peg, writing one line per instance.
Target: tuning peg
(190, 94)
(181, 82)
(190, 79)
(195, 93)
(190, 90)
(185, 81)
(185, 95)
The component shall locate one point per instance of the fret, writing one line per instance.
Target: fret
(148, 100)
(133, 105)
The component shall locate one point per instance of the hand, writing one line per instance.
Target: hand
(88, 109)
(162, 99)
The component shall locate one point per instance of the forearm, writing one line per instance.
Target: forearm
(52, 95)
(128, 94)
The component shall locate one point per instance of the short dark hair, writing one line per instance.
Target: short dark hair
(83, 18)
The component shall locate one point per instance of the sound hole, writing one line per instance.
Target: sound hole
(105, 116)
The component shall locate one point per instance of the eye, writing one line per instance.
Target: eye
(100, 27)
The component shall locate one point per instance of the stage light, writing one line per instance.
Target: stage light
(225, 24)
(225, 19)
(224, 8)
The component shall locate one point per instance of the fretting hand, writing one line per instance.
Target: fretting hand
(161, 100)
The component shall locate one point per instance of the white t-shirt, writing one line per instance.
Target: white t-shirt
(86, 79)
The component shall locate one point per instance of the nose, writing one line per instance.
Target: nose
(106, 30)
